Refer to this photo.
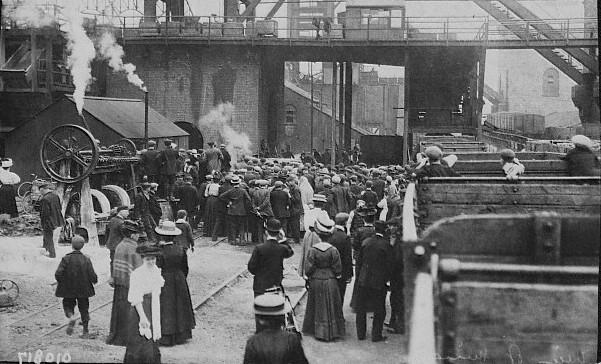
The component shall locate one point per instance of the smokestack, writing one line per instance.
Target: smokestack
(146, 119)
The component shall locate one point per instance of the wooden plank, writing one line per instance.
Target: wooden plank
(510, 199)
(512, 235)
(465, 166)
(507, 188)
(521, 156)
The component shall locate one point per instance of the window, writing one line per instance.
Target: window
(551, 83)
(290, 114)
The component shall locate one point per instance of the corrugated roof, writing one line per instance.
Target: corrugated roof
(326, 110)
(126, 117)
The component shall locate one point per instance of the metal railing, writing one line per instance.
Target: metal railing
(372, 28)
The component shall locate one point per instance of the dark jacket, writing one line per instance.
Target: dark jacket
(378, 188)
(267, 264)
(296, 202)
(51, 215)
(168, 162)
(341, 199)
(582, 162)
(375, 262)
(185, 239)
(280, 203)
(361, 234)
(114, 229)
(370, 198)
(341, 241)
(75, 276)
(261, 202)
(237, 200)
(436, 170)
(188, 197)
(155, 209)
(149, 162)
(273, 346)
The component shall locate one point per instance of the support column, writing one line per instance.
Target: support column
(34, 62)
(341, 110)
(333, 123)
(150, 13)
(348, 104)
(480, 99)
(406, 105)
(49, 66)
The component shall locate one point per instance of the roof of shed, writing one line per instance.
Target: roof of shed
(126, 117)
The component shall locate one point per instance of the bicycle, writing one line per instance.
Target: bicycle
(26, 186)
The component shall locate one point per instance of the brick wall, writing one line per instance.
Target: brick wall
(180, 84)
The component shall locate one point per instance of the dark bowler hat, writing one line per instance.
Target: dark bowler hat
(270, 305)
(273, 225)
(130, 225)
(146, 250)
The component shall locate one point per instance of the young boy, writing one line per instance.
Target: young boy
(76, 278)
(185, 239)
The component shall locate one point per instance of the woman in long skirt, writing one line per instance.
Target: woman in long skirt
(125, 262)
(144, 324)
(8, 189)
(323, 315)
(177, 315)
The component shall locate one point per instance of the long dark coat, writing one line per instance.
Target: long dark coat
(142, 212)
(237, 201)
(582, 162)
(168, 162)
(75, 276)
(114, 228)
(374, 269)
(188, 197)
(51, 215)
(341, 241)
(280, 203)
(150, 162)
(267, 264)
(341, 199)
(296, 202)
(177, 315)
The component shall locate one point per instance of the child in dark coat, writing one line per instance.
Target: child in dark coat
(76, 278)
(185, 239)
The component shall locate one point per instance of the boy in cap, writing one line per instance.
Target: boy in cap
(511, 165)
(435, 168)
(76, 278)
(272, 344)
(185, 239)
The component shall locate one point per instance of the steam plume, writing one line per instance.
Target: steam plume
(29, 12)
(113, 52)
(81, 53)
(237, 144)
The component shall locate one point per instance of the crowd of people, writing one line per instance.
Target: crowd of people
(345, 218)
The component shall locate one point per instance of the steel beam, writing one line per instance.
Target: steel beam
(521, 33)
(579, 54)
(275, 9)
(251, 8)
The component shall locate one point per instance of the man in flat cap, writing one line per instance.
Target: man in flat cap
(581, 160)
(167, 159)
(150, 163)
(227, 159)
(435, 168)
(51, 217)
(271, 343)
(280, 203)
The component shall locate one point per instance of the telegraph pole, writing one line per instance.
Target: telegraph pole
(333, 124)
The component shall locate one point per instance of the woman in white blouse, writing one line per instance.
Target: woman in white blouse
(145, 315)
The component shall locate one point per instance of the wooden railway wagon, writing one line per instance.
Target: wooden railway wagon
(502, 272)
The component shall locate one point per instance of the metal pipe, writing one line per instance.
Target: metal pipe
(146, 119)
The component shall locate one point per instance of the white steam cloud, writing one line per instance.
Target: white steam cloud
(113, 52)
(29, 12)
(81, 53)
(237, 144)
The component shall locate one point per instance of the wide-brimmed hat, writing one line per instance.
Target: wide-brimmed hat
(324, 224)
(7, 162)
(273, 225)
(270, 305)
(146, 250)
(319, 198)
(167, 227)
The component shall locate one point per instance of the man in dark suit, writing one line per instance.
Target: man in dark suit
(188, 198)
(142, 211)
(378, 184)
(150, 163)
(280, 204)
(168, 168)
(238, 204)
(51, 217)
(341, 241)
(375, 263)
(369, 196)
(227, 159)
(296, 208)
(267, 260)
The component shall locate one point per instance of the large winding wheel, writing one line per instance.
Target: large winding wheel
(69, 153)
